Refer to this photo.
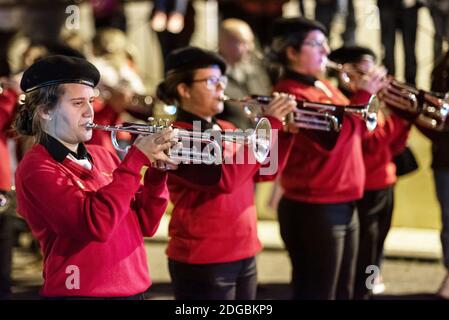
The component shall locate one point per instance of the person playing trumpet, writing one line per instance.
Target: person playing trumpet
(87, 209)
(213, 229)
(317, 219)
(389, 139)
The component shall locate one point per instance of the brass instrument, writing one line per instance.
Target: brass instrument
(259, 140)
(313, 115)
(431, 109)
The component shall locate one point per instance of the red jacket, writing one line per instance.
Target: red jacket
(218, 223)
(8, 101)
(314, 174)
(380, 146)
(92, 219)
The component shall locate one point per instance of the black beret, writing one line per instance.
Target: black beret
(190, 58)
(59, 69)
(351, 54)
(284, 27)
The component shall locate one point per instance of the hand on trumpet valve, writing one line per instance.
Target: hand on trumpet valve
(280, 106)
(156, 147)
(373, 81)
(398, 102)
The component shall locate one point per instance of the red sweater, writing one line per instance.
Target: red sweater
(92, 219)
(7, 112)
(380, 146)
(314, 174)
(218, 223)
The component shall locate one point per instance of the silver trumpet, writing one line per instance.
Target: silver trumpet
(312, 115)
(431, 109)
(197, 146)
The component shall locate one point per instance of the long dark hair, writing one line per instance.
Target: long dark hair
(167, 90)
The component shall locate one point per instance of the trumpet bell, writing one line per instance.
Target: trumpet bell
(261, 140)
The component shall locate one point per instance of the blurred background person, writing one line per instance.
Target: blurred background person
(327, 10)
(245, 72)
(109, 14)
(259, 14)
(439, 10)
(174, 23)
(399, 15)
(120, 83)
(9, 92)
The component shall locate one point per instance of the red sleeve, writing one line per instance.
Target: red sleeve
(7, 108)
(70, 211)
(388, 129)
(152, 201)
(361, 97)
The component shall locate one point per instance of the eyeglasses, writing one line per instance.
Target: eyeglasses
(213, 81)
(316, 43)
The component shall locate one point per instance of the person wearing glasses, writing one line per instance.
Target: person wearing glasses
(88, 210)
(317, 219)
(213, 228)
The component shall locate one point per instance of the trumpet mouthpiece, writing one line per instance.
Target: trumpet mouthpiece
(224, 98)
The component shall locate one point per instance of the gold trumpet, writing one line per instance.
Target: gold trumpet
(313, 115)
(197, 146)
(431, 109)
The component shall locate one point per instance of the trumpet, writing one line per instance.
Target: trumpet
(313, 115)
(258, 139)
(431, 109)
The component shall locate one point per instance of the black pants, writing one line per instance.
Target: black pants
(217, 281)
(394, 18)
(375, 210)
(322, 241)
(441, 25)
(325, 13)
(6, 246)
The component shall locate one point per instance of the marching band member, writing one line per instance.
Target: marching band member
(88, 210)
(316, 214)
(213, 229)
(375, 209)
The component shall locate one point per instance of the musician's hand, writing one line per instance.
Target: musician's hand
(373, 81)
(395, 101)
(156, 146)
(280, 106)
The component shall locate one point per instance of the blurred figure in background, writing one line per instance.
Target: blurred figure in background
(440, 167)
(327, 10)
(399, 15)
(119, 83)
(9, 92)
(245, 72)
(174, 23)
(439, 10)
(109, 14)
(259, 14)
